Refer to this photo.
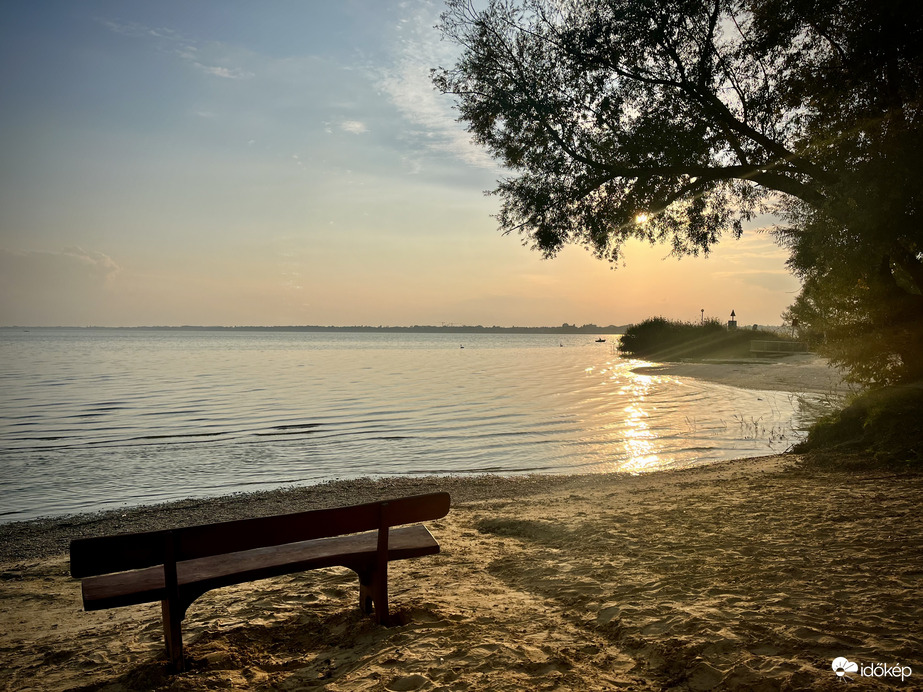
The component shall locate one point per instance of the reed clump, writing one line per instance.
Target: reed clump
(660, 339)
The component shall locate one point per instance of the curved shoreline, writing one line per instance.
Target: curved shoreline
(798, 373)
(43, 537)
(48, 537)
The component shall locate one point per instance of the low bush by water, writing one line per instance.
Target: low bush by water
(881, 427)
(658, 338)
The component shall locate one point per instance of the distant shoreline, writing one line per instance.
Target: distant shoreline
(416, 329)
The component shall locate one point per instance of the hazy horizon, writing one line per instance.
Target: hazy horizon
(313, 326)
(363, 327)
(275, 164)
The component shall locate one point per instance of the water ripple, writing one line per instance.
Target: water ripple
(93, 419)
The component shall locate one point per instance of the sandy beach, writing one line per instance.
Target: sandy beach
(744, 575)
(802, 373)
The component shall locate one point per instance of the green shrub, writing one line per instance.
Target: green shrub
(658, 338)
(881, 427)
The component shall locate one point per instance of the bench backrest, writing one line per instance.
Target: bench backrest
(122, 552)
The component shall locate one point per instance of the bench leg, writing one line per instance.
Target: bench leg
(366, 592)
(380, 591)
(374, 592)
(173, 633)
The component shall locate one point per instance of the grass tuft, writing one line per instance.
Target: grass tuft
(881, 428)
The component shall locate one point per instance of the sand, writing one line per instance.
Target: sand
(798, 373)
(750, 575)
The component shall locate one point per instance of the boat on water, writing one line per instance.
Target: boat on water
(600, 341)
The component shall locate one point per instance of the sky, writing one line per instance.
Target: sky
(287, 163)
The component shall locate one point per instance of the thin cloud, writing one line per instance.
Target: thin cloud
(188, 50)
(73, 269)
(126, 29)
(97, 263)
(355, 127)
(408, 85)
(223, 72)
(755, 246)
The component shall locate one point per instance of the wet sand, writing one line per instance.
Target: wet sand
(749, 575)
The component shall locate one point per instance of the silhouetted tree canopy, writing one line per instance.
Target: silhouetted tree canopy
(677, 121)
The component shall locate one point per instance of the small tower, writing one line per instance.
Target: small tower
(732, 323)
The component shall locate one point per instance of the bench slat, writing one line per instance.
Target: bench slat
(203, 574)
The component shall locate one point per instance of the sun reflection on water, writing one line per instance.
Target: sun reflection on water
(640, 449)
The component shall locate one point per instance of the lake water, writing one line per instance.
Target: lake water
(99, 419)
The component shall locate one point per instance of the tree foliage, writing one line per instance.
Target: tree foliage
(678, 121)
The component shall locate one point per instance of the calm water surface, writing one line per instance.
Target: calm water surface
(97, 419)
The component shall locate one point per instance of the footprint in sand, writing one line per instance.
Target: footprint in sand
(409, 682)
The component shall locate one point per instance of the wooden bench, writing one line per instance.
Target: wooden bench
(176, 566)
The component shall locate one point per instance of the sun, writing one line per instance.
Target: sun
(642, 217)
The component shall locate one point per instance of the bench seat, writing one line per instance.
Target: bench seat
(203, 574)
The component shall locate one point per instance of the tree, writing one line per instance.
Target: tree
(677, 121)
